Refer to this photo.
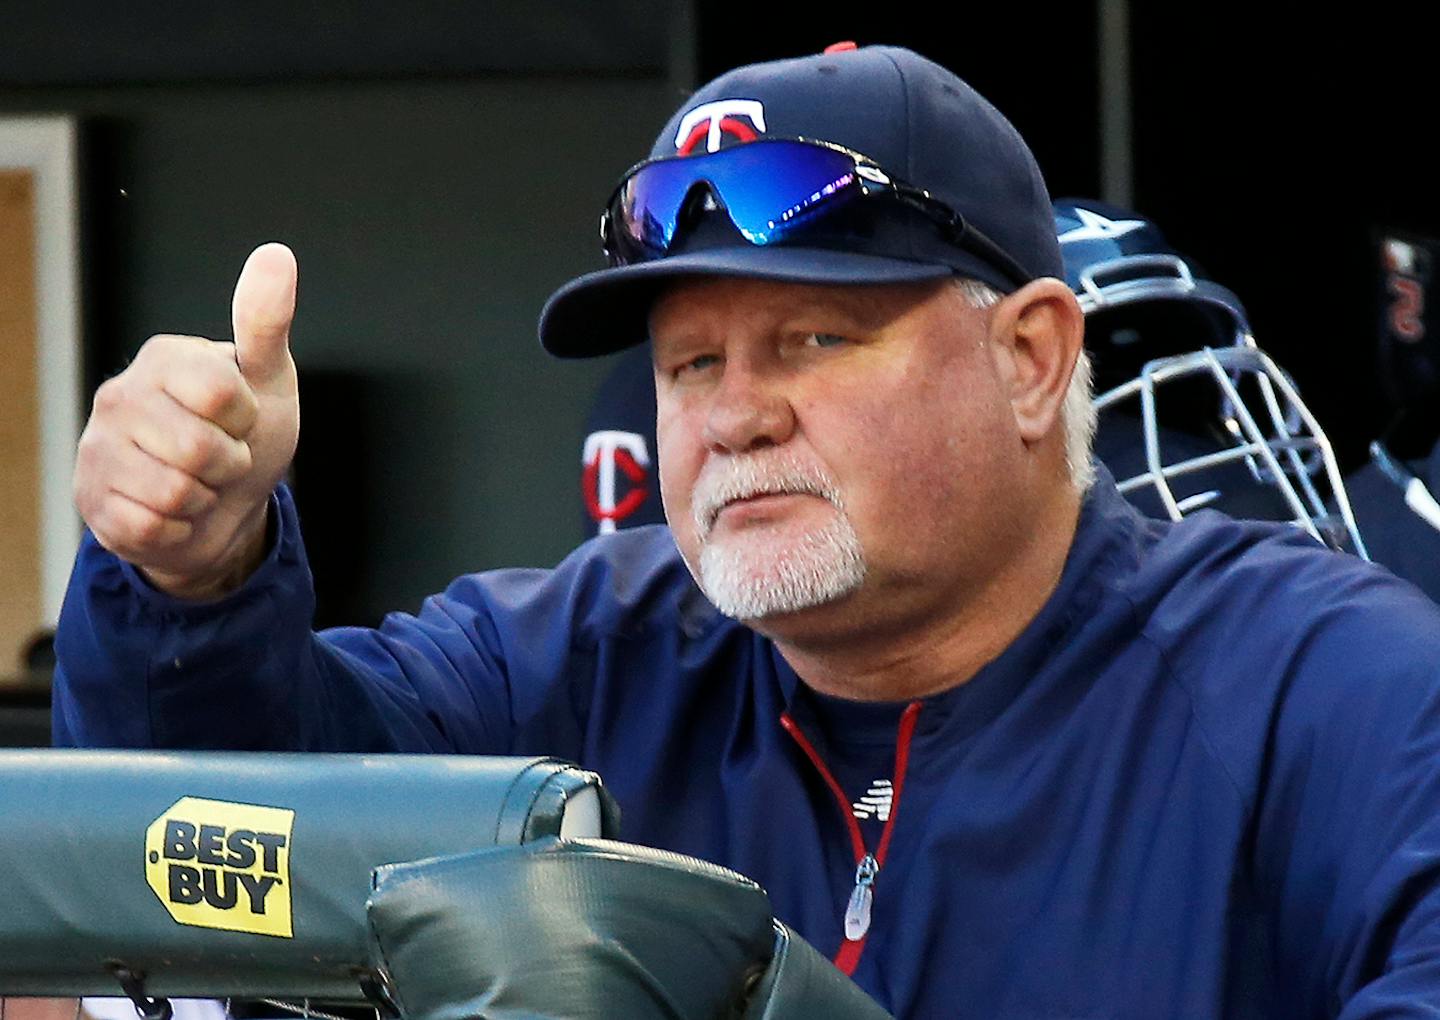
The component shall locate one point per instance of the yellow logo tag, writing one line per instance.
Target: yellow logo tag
(215, 864)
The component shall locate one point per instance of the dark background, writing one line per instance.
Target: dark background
(438, 169)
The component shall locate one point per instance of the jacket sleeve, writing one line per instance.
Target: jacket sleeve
(1348, 833)
(137, 668)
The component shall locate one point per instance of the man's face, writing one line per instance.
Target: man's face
(842, 454)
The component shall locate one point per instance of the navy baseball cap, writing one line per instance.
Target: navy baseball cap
(907, 114)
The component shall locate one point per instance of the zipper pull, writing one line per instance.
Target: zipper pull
(857, 911)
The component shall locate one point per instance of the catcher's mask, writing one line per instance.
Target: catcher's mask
(1192, 412)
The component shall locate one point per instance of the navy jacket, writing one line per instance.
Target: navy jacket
(1205, 780)
(1394, 534)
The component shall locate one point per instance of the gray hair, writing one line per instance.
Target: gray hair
(1077, 413)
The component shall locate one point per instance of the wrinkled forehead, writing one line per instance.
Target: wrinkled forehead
(693, 303)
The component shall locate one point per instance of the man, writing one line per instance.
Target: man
(1134, 768)
(1397, 492)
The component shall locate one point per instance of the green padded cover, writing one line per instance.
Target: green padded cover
(800, 984)
(569, 930)
(241, 874)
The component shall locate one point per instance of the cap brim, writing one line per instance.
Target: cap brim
(607, 311)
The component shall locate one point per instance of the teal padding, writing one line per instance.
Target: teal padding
(800, 984)
(78, 864)
(574, 929)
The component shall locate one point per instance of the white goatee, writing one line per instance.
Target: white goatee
(751, 575)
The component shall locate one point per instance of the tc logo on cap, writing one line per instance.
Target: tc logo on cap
(604, 453)
(743, 119)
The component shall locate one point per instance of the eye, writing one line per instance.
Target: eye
(825, 340)
(699, 363)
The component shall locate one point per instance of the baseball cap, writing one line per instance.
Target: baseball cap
(908, 115)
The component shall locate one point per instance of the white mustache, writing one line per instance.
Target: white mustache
(744, 476)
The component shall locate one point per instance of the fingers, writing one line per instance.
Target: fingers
(133, 499)
(262, 310)
(168, 491)
(211, 386)
(200, 375)
(133, 531)
(162, 443)
(179, 438)
(157, 424)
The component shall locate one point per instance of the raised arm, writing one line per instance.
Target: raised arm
(187, 620)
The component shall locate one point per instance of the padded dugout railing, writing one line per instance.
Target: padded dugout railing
(215, 874)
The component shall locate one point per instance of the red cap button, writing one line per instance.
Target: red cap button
(840, 47)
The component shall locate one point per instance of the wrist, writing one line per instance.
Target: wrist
(245, 554)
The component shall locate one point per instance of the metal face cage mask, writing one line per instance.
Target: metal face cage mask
(1193, 414)
(1270, 430)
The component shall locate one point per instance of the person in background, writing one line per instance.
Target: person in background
(1193, 414)
(619, 483)
(1395, 493)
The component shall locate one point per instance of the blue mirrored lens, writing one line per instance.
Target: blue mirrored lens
(767, 187)
(650, 205)
(770, 188)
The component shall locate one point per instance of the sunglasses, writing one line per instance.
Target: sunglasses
(773, 190)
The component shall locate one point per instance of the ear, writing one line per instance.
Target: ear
(1036, 333)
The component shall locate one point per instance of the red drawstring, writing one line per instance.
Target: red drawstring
(902, 765)
(848, 955)
(857, 841)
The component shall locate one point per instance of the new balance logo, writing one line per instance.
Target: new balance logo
(876, 802)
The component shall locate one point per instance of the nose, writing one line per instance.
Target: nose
(748, 411)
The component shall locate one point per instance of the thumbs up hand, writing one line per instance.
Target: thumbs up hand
(182, 450)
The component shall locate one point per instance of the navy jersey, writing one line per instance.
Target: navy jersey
(1394, 534)
(1203, 782)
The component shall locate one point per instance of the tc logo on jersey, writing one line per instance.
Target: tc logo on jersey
(604, 454)
(741, 119)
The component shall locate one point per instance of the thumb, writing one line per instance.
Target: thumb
(262, 310)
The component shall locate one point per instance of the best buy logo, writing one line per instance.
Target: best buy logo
(215, 864)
